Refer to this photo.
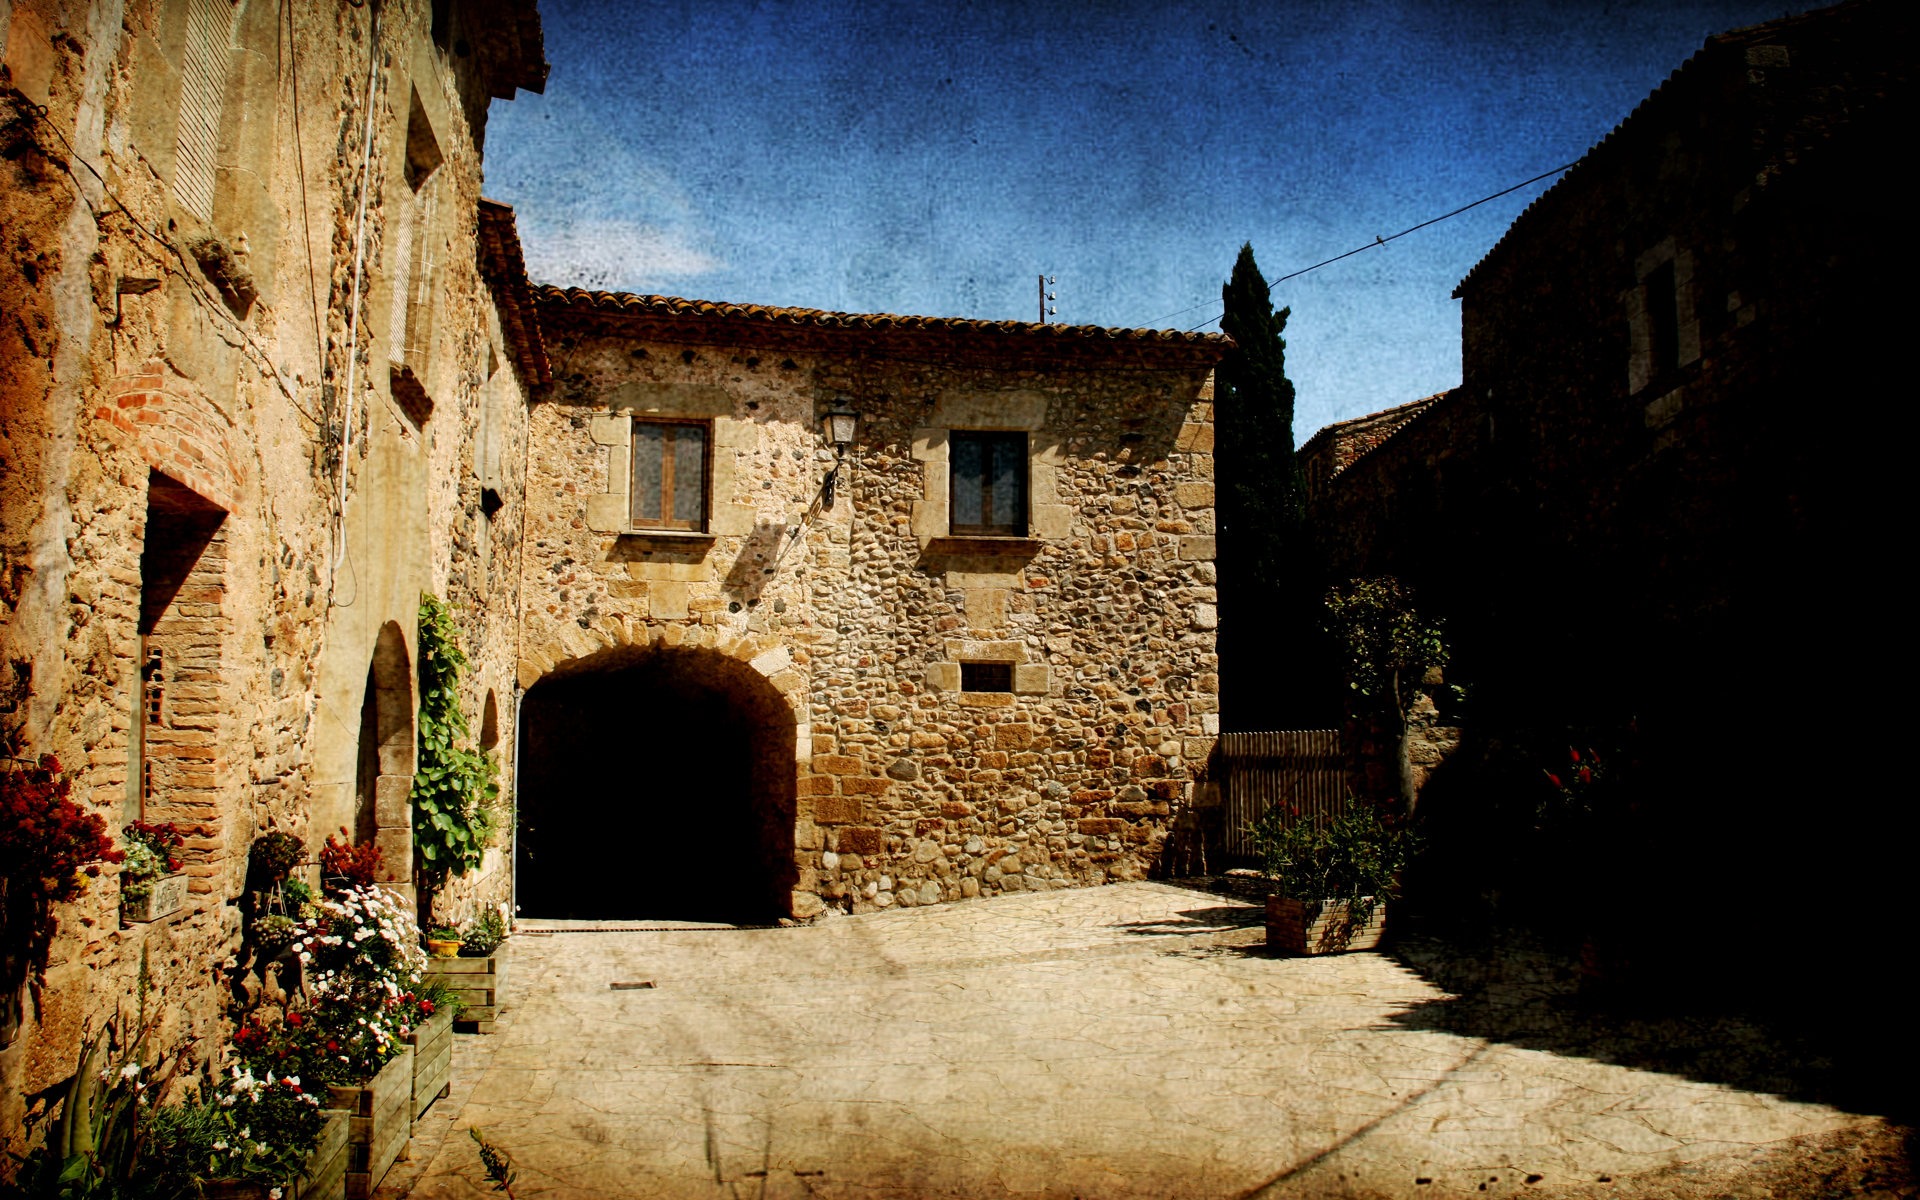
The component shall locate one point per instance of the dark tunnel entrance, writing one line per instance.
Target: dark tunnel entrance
(656, 785)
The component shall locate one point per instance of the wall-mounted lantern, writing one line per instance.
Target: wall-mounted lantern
(839, 425)
(841, 421)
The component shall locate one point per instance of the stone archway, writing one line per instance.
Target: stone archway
(383, 778)
(656, 783)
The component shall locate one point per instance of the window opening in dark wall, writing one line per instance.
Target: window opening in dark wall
(1663, 322)
(986, 677)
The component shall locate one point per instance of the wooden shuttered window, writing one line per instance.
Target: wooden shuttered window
(668, 487)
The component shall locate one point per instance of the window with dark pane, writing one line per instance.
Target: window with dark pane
(669, 482)
(986, 677)
(989, 493)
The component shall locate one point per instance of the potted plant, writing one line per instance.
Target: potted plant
(151, 883)
(476, 977)
(254, 1138)
(1330, 882)
(361, 957)
(444, 942)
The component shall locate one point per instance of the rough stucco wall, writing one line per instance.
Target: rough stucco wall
(910, 791)
(184, 385)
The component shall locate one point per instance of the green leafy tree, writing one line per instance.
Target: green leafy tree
(1390, 646)
(455, 786)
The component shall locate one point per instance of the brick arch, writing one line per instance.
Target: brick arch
(179, 432)
(682, 755)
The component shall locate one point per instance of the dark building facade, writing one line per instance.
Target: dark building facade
(1657, 510)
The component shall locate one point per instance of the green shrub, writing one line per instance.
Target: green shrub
(1356, 856)
(484, 934)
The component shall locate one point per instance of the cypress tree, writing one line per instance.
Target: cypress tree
(1264, 582)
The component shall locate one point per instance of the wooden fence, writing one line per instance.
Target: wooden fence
(1303, 769)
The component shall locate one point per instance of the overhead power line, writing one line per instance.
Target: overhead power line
(1376, 242)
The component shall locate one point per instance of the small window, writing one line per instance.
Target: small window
(989, 495)
(669, 483)
(986, 677)
(1663, 321)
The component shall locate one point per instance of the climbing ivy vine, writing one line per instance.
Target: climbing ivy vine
(454, 786)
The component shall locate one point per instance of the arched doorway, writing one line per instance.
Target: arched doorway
(656, 784)
(383, 779)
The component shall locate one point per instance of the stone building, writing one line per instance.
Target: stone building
(964, 647)
(803, 609)
(263, 382)
(1656, 507)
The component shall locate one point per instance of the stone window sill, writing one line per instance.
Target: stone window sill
(670, 535)
(984, 544)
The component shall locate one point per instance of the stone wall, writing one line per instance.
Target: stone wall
(1338, 446)
(910, 790)
(184, 620)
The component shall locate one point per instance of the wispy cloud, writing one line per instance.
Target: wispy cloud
(616, 253)
(601, 213)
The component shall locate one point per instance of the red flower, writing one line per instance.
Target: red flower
(426, 1008)
(332, 1045)
(295, 1019)
(173, 864)
(1586, 776)
(1573, 754)
(1554, 779)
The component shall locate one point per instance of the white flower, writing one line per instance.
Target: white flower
(273, 1194)
(221, 1144)
(130, 1070)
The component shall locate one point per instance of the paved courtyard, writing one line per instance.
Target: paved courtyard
(1128, 1041)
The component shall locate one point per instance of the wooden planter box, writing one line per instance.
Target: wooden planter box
(432, 1043)
(165, 897)
(1320, 927)
(380, 1121)
(324, 1179)
(478, 982)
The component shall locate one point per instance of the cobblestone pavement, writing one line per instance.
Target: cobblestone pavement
(1127, 1041)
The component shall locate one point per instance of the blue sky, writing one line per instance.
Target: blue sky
(933, 158)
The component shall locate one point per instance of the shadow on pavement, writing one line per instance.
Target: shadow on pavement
(1509, 987)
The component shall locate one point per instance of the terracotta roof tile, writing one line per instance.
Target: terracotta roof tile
(558, 303)
(502, 264)
(1345, 443)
